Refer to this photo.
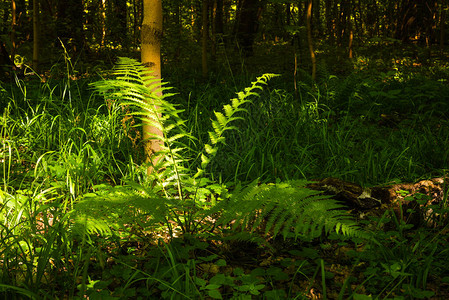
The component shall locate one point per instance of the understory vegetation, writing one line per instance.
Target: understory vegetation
(231, 214)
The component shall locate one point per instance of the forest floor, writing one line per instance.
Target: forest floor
(371, 133)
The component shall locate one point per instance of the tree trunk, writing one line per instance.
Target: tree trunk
(316, 16)
(218, 18)
(151, 37)
(309, 39)
(36, 35)
(350, 26)
(70, 24)
(103, 22)
(13, 29)
(247, 25)
(330, 21)
(442, 25)
(120, 34)
(205, 35)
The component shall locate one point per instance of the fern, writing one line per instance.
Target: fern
(112, 209)
(223, 122)
(177, 195)
(135, 86)
(286, 208)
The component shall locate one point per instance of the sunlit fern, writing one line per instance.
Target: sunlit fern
(134, 86)
(223, 121)
(287, 209)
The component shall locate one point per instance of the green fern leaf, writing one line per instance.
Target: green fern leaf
(287, 208)
(221, 119)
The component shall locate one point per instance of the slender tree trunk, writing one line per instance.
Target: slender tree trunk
(213, 25)
(444, 6)
(329, 21)
(103, 22)
(151, 57)
(120, 34)
(350, 26)
(309, 39)
(218, 18)
(316, 16)
(69, 24)
(357, 25)
(13, 30)
(351, 38)
(247, 24)
(218, 29)
(36, 35)
(179, 29)
(205, 35)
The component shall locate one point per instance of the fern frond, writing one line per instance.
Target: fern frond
(287, 208)
(114, 209)
(222, 122)
(134, 86)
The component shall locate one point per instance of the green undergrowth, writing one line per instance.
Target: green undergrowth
(365, 128)
(229, 214)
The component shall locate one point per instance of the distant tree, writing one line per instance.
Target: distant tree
(217, 25)
(247, 23)
(13, 28)
(350, 28)
(416, 19)
(372, 18)
(218, 17)
(309, 38)
(36, 35)
(117, 29)
(205, 36)
(136, 19)
(444, 7)
(330, 20)
(95, 22)
(151, 37)
(69, 24)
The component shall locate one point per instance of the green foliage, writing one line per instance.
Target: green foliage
(286, 207)
(289, 209)
(135, 86)
(223, 121)
(61, 150)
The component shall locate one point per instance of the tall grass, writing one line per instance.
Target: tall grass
(55, 146)
(336, 128)
(60, 143)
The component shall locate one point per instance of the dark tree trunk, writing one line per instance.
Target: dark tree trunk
(330, 21)
(247, 24)
(204, 37)
(69, 24)
(6, 64)
(218, 17)
(309, 38)
(344, 14)
(36, 35)
(120, 29)
(217, 25)
(372, 19)
(442, 25)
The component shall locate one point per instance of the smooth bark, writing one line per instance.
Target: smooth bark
(151, 37)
